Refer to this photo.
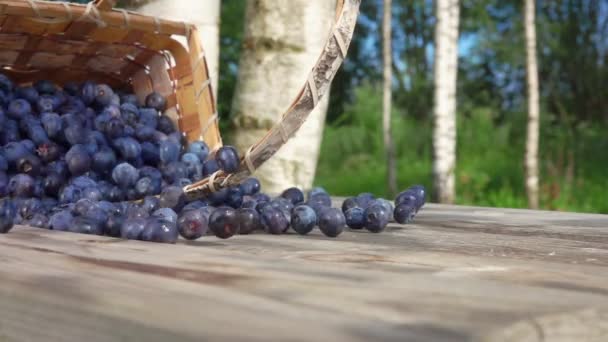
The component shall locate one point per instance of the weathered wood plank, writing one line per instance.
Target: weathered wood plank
(458, 274)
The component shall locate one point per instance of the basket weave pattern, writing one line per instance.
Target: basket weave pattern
(65, 42)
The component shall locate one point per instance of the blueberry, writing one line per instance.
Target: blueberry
(303, 219)
(135, 211)
(355, 218)
(29, 94)
(146, 186)
(148, 117)
(130, 99)
(47, 104)
(88, 92)
(52, 183)
(114, 225)
(150, 153)
(71, 88)
(104, 161)
(21, 185)
(61, 220)
(320, 199)
(407, 197)
(249, 220)
(376, 218)
(174, 171)
(49, 151)
(125, 175)
(210, 167)
(172, 197)
(82, 206)
(144, 133)
(251, 186)
(132, 229)
(45, 87)
(75, 134)
(39, 220)
(103, 95)
(166, 214)
(194, 165)
(150, 203)
(19, 108)
(349, 203)
(192, 224)
(364, 199)
(274, 220)
(404, 213)
(224, 223)
(332, 222)
(156, 101)
(158, 230)
(316, 191)
(37, 134)
(3, 184)
(14, 151)
(234, 198)
(128, 148)
(227, 159)
(195, 205)
(78, 160)
(165, 125)
(93, 194)
(6, 84)
(7, 215)
(200, 149)
(86, 225)
(169, 152)
(295, 195)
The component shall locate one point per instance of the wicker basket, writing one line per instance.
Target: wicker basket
(65, 42)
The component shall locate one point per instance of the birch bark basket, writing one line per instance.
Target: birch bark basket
(444, 113)
(282, 41)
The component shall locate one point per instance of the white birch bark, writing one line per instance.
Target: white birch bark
(531, 156)
(205, 14)
(445, 70)
(283, 39)
(391, 175)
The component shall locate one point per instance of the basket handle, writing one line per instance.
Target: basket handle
(104, 5)
(316, 85)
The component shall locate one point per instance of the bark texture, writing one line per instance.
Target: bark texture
(531, 156)
(205, 14)
(446, 69)
(283, 39)
(391, 175)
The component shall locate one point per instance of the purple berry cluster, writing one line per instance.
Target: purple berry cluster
(89, 159)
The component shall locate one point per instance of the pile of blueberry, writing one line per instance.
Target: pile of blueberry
(88, 159)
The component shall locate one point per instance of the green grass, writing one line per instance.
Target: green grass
(489, 163)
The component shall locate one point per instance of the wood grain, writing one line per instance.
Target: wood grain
(457, 274)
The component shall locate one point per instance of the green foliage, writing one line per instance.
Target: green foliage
(490, 154)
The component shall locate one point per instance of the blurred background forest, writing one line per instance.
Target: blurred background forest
(572, 52)
(573, 77)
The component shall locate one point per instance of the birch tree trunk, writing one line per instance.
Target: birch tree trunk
(531, 158)
(283, 39)
(205, 14)
(446, 68)
(389, 148)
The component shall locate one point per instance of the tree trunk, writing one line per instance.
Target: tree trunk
(391, 176)
(283, 39)
(446, 68)
(205, 14)
(531, 158)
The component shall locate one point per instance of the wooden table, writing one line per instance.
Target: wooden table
(457, 274)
